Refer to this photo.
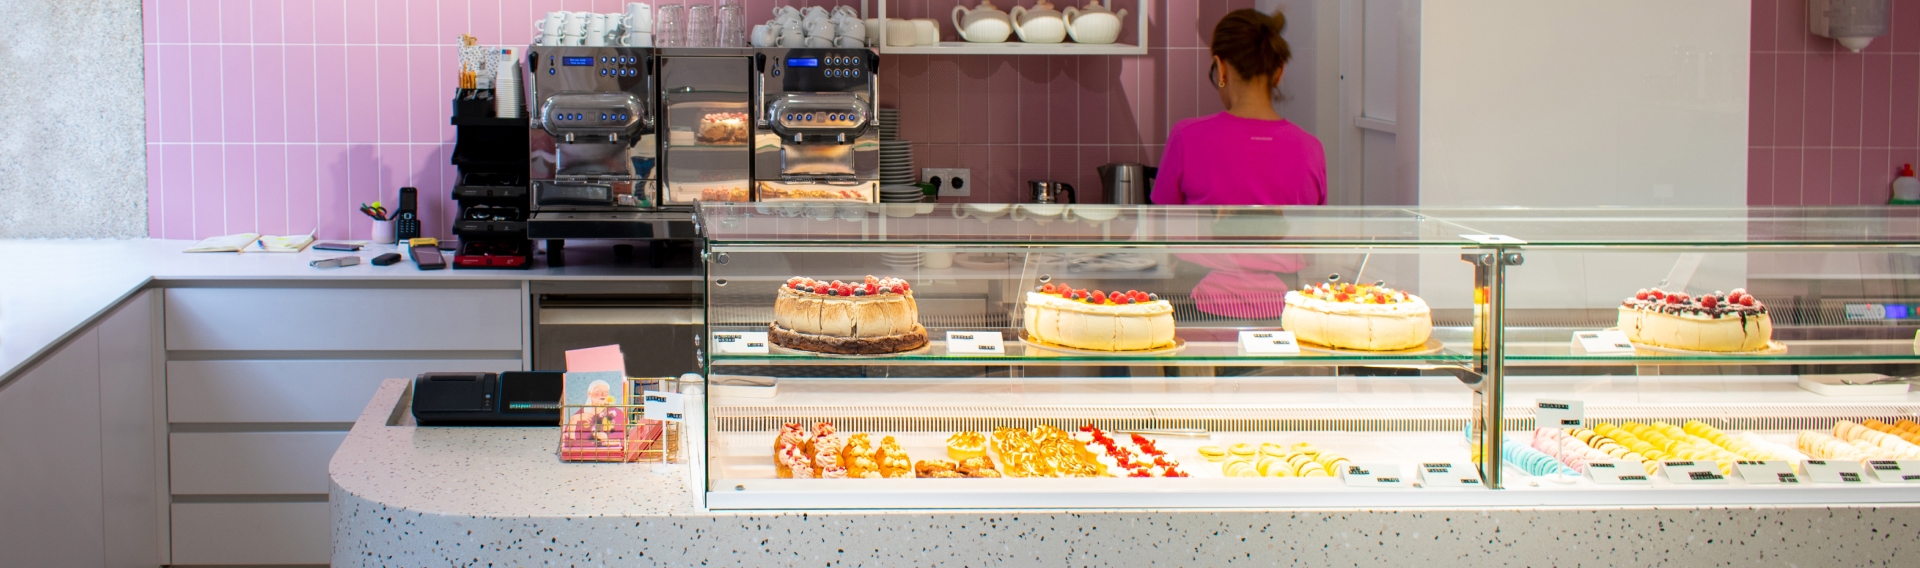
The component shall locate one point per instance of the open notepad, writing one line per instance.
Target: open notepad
(253, 242)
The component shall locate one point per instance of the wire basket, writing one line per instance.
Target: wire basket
(620, 433)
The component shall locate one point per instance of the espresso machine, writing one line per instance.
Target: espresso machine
(814, 124)
(593, 148)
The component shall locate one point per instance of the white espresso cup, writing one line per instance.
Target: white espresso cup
(637, 39)
(576, 23)
(637, 17)
(596, 25)
(793, 39)
(849, 42)
(763, 36)
(785, 11)
(900, 33)
(855, 29)
(1042, 212)
(814, 12)
(817, 41)
(553, 26)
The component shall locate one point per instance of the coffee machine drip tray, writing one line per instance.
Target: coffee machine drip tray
(592, 194)
(817, 160)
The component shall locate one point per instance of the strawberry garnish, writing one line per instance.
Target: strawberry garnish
(1747, 301)
(1641, 295)
(1047, 288)
(1708, 301)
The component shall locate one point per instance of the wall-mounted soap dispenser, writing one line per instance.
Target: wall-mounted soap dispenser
(1853, 23)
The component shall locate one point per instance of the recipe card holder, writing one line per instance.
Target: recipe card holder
(620, 433)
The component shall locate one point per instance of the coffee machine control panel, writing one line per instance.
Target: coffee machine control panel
(825, 70)
(603, 66)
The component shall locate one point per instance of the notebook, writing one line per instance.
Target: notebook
(253, 242)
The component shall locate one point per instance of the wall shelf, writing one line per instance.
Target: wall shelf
(1013, 46)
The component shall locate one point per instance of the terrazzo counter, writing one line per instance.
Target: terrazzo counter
(412, 496)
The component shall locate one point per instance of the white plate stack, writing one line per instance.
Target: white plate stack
(901, 259)
(901, 194)
(896, 163)
(889, 124)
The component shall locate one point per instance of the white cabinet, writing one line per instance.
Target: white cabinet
(252, 463)
(50, 460)
(293, 391)
(133, 434)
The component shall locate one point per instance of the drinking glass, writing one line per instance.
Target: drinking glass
(733, 25)
(670, 25)
(702, 25)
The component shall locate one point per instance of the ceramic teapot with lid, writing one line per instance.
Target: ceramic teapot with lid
(1094, 24)
(982, 24)
(1042, 24)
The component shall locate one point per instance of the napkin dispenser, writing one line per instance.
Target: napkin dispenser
(513, 398)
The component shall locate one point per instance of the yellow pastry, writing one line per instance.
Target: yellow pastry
(1242, 449)
(1213, 453)
(962, 446)
(1275, 450)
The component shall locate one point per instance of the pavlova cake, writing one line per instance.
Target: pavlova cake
(1357, 316)
(1098, 321)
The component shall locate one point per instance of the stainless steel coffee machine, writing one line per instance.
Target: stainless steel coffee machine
(592, 147)
(814, 124)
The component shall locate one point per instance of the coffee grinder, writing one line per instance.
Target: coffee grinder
(814, 124)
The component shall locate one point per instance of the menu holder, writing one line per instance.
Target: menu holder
(621, 433)
(1846, 472)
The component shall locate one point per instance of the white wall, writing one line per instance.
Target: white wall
(1584, 102)
(1580, 103)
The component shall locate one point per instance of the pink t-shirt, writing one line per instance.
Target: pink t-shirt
(1227, 160)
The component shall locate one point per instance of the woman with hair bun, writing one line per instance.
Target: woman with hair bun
(1247, 155)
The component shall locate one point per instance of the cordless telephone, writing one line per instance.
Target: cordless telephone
(407, 217)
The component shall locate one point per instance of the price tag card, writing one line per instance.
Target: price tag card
(1693, 472)
(1618, 472)
(1374, 475)
(1268, 343)
(1605, 342)
(1449, 474)
(668, 406)
(976, 343)
(1767, 472)
(1834, 471)
(740, 343)
(1559, 413)
(1895, 471)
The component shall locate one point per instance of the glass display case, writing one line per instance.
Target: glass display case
(1162, 357)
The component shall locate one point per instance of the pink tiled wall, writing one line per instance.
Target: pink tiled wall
(1829, 126)
(282, 116)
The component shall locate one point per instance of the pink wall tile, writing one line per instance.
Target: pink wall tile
(1876, 101)
(236, 110)
(1820, 99)
(979, 159)
(209, 182)
(390, 22)
(487, 18)
(269, 21)
(362, 86)
(1183, 82)
(1904, 30)
(1790, 98)
(303, 190)
(943, 76)
(1003, 180)
(1003, 94)
(1849, 81)
(204, 93)
(1788, 163)
(423, 22)
(1063, 100)
(1905, 122)
(452, 19)
(236, 21)
(301, 100)
(239, 195)
(1096, 81)
(1846, 180)
(1760, 176)
(913, 98)
(332, 191)
(1816, 181)
(1766, 19)
(329, 22)
(362, 20)
(1183, 25)
(1876, 175)
(203, 21)
(269, 94)
(270, 183)
(176, 195)
(156, 201)
(298, 25)
(1033, 102)
(174, 97)
(974, 100)
(1792, 27)
(429, 88)
(175, 21)
(391, 83)
(1085, 175)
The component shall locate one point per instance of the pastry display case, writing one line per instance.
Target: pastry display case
(979, 356)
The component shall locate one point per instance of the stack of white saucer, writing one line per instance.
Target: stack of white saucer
(889, 123)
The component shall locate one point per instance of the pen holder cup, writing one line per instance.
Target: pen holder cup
(382, 233)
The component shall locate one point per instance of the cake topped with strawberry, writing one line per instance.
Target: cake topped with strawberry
(1098, 320)
(1362, 317)
(1356, 293)
(1723, 323)
(871, 316)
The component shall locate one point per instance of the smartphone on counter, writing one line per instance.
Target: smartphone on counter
(341, 247)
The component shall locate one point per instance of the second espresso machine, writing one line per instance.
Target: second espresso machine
(814, 132)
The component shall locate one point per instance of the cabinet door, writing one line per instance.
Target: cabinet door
(132, 436)
(252, 533)
(252, 463)
(343, 319)
(50, 461)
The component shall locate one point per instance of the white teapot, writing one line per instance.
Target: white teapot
(1042, 24)
(982, 24)
(1094, 24)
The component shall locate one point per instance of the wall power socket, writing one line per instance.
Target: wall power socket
(952, 182)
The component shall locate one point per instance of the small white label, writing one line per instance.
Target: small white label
(1690, 472)
(1618, 472)
(1374, 475)
(1493, 239)
(976, 343)
(668, 406)
(1767, 472)
(1269, 343)
(740, 343)
(1551, 413)
(1895, 471)
(1834, 471)
(1604, 342)
(1448, 474)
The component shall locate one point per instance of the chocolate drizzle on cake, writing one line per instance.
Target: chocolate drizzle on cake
(1715, 305)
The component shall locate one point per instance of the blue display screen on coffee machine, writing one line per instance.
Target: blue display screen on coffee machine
(577, 61)
(808, 62)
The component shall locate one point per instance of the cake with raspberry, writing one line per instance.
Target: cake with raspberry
(874, 316)
(1725, 323)
(1363, 317)
(1098, 321)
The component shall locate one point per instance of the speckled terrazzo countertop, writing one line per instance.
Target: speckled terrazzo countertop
(407, 496)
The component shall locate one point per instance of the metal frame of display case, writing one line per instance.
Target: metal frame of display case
(1490, 240)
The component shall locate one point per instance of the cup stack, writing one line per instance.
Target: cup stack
(889, 124)
(506, 87)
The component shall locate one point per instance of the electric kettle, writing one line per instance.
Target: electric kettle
(1127, 183)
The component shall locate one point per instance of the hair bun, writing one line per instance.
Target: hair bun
(1251, 42)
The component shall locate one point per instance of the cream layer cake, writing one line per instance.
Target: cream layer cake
(1734, 322)
(1357, 316)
